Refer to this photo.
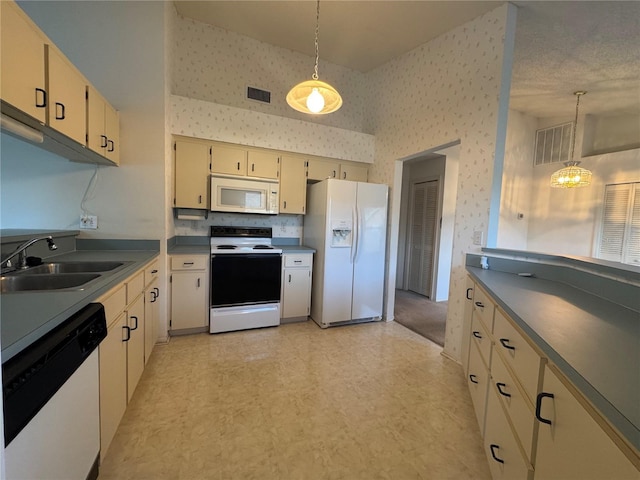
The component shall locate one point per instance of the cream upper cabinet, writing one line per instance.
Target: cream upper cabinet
(192, 163)
(263, 164)
(67, 111)
(103, 126)
(293, 185)
(228, 160)
(318, 170)
(22, 56)
(355, 173)
(571, 443)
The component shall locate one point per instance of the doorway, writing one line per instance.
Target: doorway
(428, 310)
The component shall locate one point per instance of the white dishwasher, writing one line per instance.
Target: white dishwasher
(51, 402)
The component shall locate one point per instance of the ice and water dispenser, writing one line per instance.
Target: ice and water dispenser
(341, 233)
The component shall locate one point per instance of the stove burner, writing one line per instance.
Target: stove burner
(226, 247)
(263, 247)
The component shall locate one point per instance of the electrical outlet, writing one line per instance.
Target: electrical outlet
(477, 237)
(89, 222)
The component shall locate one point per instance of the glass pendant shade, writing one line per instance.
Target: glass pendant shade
(314, 97)
(571, 176)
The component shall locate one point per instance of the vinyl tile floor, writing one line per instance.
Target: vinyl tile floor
(366, 401)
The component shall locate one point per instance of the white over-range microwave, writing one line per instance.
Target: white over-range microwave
(244, 195)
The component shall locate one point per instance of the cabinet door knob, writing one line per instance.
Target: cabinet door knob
(104, 141)
(112, 146)
(503, 393)
(477, 334)
(136, 319)
(238, 166)
(505, 343)
(493, 448)
(473, 378)
(344, 175)
(289, 278)
(469, 290)
(479, 304)
(199, 198)
(154, 271)
(539, 398)
(252, 166)
(198, 283)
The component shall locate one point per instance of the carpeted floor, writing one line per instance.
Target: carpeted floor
(421, 315)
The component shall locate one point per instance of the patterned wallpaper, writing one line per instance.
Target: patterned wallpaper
(203, 119)
(445, 90)
(441, 92)
(217, 65)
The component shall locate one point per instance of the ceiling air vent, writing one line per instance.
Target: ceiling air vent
(553, 144)
(259, 95)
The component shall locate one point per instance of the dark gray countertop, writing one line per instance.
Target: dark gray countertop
(593, 341)
(27, 316)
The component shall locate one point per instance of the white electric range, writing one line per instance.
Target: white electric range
(246, 278)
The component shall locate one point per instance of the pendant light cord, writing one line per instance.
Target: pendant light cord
(315, 69)
(575, 124)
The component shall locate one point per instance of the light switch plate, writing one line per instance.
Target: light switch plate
(477, 237)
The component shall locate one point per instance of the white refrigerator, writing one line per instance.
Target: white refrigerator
(346, 223)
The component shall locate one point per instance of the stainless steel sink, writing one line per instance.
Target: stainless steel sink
(73, 267)
(60, 281)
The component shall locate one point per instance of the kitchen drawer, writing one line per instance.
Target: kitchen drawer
(478, 381)
(515, 403)
(151, 272)
(114, 302)
(517, 354)
(482, 339)
(505, 459)
(189, 262)
(298, 260)
(483, 308)
(135, 285)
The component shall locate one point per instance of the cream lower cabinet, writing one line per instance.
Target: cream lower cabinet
(524, 392)
(468, 313)
(189, 293)
(151, 308)
(135, 326)
(573, 445)
(296, 286)
(113, 366)
(122, 353)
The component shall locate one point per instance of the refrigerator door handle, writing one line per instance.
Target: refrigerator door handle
(358, 229)
(354, 234)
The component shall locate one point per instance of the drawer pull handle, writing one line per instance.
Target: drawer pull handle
(297, 261)
(186, 264)
(198, 283)
(479, 304)
(504, 394)
(154, 271)
(128, 334)
(472, 377)
(136, 319)
(469, 290)
(539, 406)
(477, 334)
(494, 447)
(505, 343)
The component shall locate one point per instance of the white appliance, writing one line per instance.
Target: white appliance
(246, 273)
(242, 195)
(346, 222)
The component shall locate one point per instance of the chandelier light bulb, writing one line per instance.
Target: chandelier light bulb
(315, 101)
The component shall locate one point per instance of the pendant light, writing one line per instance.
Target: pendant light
(572, 176)
(313, 96)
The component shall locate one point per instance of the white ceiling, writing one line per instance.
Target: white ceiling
(560, 46)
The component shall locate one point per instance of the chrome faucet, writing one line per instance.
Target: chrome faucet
(21, 252)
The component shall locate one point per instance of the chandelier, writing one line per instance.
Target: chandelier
(313, 96)
(572, 175)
